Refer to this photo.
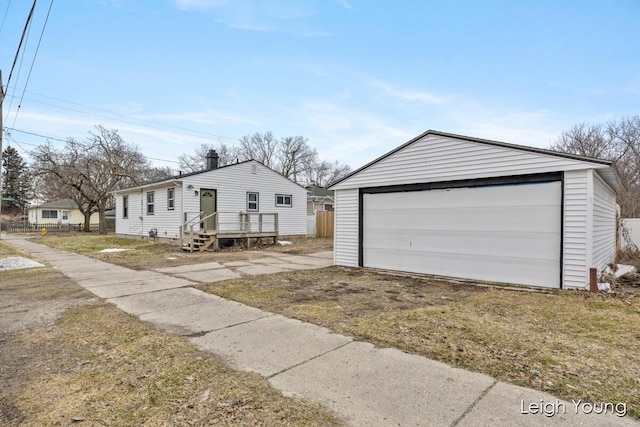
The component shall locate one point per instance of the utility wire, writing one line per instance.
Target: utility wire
(26, 25)
(192, 132)
(33, 61)
(9, 130)
(6, 11)
(19, 70)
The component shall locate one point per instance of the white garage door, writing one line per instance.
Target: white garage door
(506, 233)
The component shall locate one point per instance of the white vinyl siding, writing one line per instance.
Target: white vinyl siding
(437, 158)
(604, 224)
(346, 228)
(575, 269)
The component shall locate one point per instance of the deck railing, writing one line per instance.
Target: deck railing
(230, 224)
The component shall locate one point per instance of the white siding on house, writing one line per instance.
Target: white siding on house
(575, 269)
(604, 224)
(346, 223)
(231, 184)
(437, 158)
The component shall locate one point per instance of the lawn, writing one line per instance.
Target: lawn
(143, 255)
(68, 358)
(572, 344)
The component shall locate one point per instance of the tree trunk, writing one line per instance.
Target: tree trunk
(102, 218)
(87, 222)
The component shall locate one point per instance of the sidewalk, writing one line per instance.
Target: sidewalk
(363, 385)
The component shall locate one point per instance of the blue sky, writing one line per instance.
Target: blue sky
(358, 78)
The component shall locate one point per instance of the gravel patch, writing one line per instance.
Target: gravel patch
(16, 262)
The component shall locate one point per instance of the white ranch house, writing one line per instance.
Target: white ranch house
(245, 199)
(465, 207)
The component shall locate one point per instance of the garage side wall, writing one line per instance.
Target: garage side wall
(576, 220)
(346, 231)
(604, 224)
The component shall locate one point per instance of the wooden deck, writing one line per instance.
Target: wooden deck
(246, 226)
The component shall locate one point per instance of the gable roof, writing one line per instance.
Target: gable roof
(186, 175)
(611, 177)
(57, 204)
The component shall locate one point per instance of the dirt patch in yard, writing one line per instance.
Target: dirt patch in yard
(142, 255)
(572, 344)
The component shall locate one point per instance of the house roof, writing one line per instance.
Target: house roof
(185, 175)
(609, 163)
(317, 191)
(58, 204)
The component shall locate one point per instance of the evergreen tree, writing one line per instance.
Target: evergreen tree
(16, 182)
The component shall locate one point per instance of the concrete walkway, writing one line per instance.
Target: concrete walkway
(364, 385)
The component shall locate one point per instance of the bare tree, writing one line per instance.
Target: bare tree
(88, 172)
(324, 173)
(618, 141)
(294, 157)
(260, 147)
(197, 162)
(291, 156)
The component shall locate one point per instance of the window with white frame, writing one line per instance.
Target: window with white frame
(171, 199)
(49, 214)
(252, 202)
(283, 200)
(65, 215)
(125, 207)
(150, 202)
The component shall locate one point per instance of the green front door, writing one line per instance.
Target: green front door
(208, 206)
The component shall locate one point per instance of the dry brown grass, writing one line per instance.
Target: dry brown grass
(569, 343)
(65, 356)
(107, 368)
(142, 255)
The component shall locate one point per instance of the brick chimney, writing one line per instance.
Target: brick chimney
(212, 160)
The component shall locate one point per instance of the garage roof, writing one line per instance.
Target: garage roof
(605, 168)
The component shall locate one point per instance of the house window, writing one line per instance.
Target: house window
(328, 207)
(65, 215)
(125, 206)
(283, 200)
(150, 202)
(49, 214)
(252, 202)
(171, 199)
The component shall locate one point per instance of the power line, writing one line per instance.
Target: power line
(33, 61)
(26, 26)
(6, 11)
(9, 130)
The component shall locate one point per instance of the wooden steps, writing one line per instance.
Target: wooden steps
(201, 241)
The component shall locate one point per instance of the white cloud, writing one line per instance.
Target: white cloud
(288, 16)
(408, 95)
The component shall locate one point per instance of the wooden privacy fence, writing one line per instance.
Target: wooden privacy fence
(324, 224)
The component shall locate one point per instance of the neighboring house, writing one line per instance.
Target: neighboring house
(458, 206)
(63, 211)
(245, 191)
(319, 199)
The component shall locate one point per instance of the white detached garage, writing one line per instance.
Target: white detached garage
(465, 207)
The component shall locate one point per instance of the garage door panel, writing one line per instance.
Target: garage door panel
(493, 243)
(459, 219)
(476, 267)
(502, 234)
